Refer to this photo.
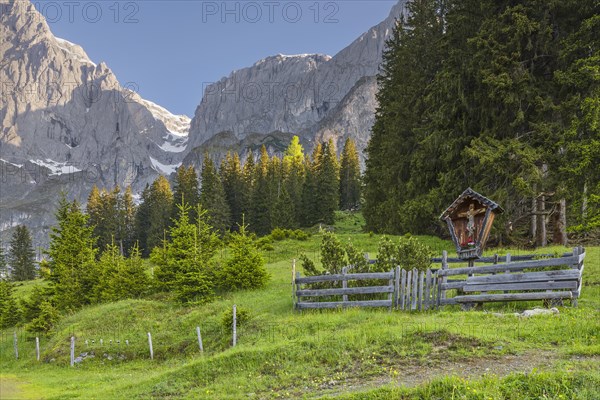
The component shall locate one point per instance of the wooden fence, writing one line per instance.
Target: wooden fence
(405, 290)
(527, 279)
(509, 278)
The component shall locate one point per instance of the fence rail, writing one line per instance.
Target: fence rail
(516, 278)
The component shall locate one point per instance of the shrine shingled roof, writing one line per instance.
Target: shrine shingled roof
(471, 194)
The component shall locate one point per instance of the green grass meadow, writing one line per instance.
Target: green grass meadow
(346, 354)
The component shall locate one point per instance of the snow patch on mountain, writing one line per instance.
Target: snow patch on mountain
(55, 167)
(162, 168)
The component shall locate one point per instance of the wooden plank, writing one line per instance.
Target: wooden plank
(391, 294)
(428, 289)
(434, 291)
(344, 291)
(408, 291)
(490, 260)
(444, 279)
(344, 284)
(336, 304)
(397, 287)
(297, 288)
(512, 266)
(522, 286)
(453, 285)
(512, 297)
(421, 284)
(403, 289)
(559, 275)
(341, 277)
(415, 288)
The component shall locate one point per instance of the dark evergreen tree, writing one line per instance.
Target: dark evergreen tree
(185, 188)
(308, 211)
(293, 176)
(327, 177)
(212, 197)
(3, 263)
(22, 255)
(233, 184)
(260, 205)
(349, 177)
(72, 256)
(160, 201)
(142, 222)
(10, 314)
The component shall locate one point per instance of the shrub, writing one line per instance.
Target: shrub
(241, 316)
(409, 253)
(309, 267)
(333, 255)
(280, 234)
(46, 319)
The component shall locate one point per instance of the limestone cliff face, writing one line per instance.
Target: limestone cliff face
(65, 119)
(312, 95)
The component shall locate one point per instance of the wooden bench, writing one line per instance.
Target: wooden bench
(515, 281)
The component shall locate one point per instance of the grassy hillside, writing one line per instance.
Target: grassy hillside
(362, 354)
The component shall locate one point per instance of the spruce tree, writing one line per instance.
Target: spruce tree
(72, 256)
(185, 188)
(160, 201)
(308, 211)
(294, 175)
(233, 184)
(245, 268)
(142, 222)
(22, 255)
(349, 177)
(3, 264)
(327, 178)
(212, 197)
(184, 263)
(260, 205)
(248, 180)
(10, 314)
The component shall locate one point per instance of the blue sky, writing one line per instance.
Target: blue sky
(170, 49)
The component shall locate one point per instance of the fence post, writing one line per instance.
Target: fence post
(403, 289)
(576, 265)
(234, 325)
(427, 289)
(344, 285)
(16, 345)
(421, 284)
(199, 339)
(72, 350)
(443, 279)
(294, 283)
(150, 346)
(37, 348)
(415, 289)
(397, 287)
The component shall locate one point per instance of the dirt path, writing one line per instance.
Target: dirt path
(9, 388)
(414, 375)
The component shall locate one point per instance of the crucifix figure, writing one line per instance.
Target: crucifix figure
(470, 215)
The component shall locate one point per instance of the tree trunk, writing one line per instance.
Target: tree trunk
(534, 222)
(541, 229)
(584, 204)
(560, 223)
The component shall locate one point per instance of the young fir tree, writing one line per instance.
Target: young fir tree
(22, 255)
(45, 320)
(245, 268)
(184, 263)
(31, 306)
(72, 254)
(349, 177)
(120, 277)
(185, 188)
(10, 314)
(212, 197)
